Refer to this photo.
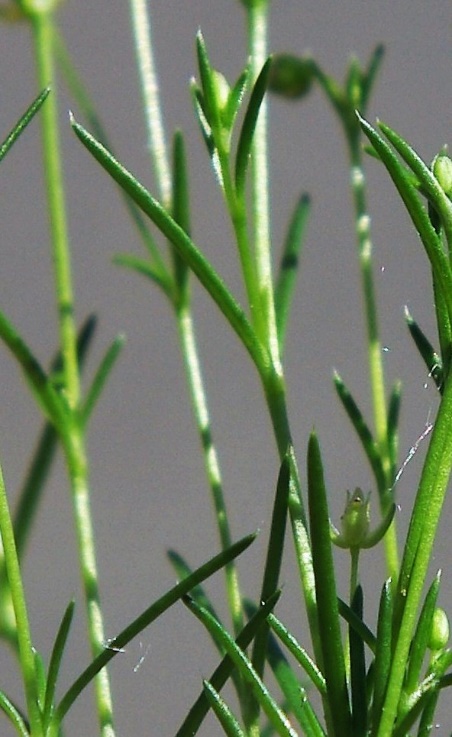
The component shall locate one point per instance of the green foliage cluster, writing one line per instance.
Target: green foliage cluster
(382, 683)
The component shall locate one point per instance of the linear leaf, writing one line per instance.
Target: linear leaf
(288, 268)
(224, 714)
(241, 662)
(146, 618)
(20, 126)
(325, 584)
(205, 272)
(55, 661)
(198, 711)
(245, 141)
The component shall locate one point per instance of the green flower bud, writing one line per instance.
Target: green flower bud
(356, 518)
(440, 630)
(290, 76)
(442, 169)
(222, 89)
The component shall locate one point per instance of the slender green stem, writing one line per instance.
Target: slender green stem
(142, 30)
(78, 472)
(26, 652)
(374, 346)
(42, 26)
(199, 399)
(257, 49)
(72, 435)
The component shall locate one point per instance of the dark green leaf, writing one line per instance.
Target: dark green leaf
(245, 141)
(241, 662)
(419, 216)
(14, 715)
(103, 372)
(224, 714)
(358, 670)
(181, 210)
(288, 268)
(430, 357)
(357, 625)
(148, 616)
(200, 708)
(274, 557)
(393, 427)
(421, 637)
(177, 236)
(26, 118)
(362, 429)
(383, 648)
(299, 653)
(325, 584)
(55, 662)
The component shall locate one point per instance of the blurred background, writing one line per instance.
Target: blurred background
(149, 488)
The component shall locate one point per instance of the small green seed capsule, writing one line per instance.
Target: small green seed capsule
(442, 169)
(440, 630)
(356, 518)
(290, 76)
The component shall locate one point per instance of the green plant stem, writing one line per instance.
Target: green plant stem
(72, 435)
(142, 30)
(199, 399)
(418, 550)
(42, 28)
(362, 220)
(26, 652)
(257, 50)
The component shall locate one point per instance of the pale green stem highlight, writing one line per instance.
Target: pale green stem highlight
(72, 435)
(374, 350)
(142, 29)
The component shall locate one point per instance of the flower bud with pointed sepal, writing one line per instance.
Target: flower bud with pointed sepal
(355, 523)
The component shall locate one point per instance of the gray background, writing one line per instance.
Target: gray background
(149, 491)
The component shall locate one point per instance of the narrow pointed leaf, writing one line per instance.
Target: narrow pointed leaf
(101, 376)
(358, 671)
(288, 268)
(235, 98)
(419, 216)
(299, 653)
(207, 84)
(274, 557)
(181, 241)
(55, 661)
(241, 662)
(23, 122)
(428, 182)
(382, 661)
(145, 267)
(357, 625)
(14, 715)
(393, 426)
(198, 711)
(362, 429)
(370, 76)
(52, 403)
(222, 711)
(249, 125)
(430, 357)
(198, 593)
(146, 618)
(181, 209)
(37, 473)
(325, 584)
(421, 637)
